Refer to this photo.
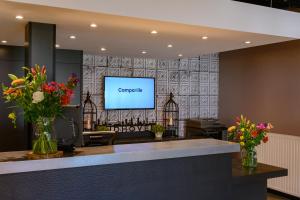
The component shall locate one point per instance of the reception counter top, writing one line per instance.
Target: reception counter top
(15, 162)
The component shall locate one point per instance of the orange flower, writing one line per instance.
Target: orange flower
(17, 93)
(266, 139)
(254, 134)
(231, 129)
(17, 82)
(270, 126)
(9, 91)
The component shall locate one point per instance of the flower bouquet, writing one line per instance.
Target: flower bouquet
(41, 103)
(249, 135)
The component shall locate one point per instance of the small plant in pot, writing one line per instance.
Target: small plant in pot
(158, 130)
(102, 128)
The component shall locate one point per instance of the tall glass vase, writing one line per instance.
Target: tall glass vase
(249, 157)
(44, 137)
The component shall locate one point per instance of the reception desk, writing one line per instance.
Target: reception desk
(186, 169)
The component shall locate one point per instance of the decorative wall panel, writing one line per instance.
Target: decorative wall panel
(194, 82)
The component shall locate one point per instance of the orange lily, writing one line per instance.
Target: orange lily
(17, 82)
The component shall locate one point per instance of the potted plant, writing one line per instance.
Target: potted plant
(249, 135)
(158, 130)
(102, 128)
(41, 102)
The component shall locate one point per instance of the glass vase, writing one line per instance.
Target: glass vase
(249, 157)
(44, 136)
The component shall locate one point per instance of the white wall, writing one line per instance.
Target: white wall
(223, 14)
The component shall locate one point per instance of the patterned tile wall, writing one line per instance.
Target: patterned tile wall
(194, 82)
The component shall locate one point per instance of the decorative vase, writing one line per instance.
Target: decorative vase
(44, 142)
(249, 157)
(158, 135)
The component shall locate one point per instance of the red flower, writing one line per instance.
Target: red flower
(265, 139)
(254, 134)
(62, 86)
(238, 135)
(65, 100)
(33, 71)
(49, 88)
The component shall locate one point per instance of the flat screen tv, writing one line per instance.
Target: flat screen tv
(123, 93)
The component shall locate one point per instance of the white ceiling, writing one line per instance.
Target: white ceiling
(124, 36)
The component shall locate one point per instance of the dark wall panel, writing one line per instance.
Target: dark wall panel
(68, 62)
(262, 83)
(11, 61)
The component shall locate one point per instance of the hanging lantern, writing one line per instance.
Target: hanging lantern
(171, 117)
(89, 114)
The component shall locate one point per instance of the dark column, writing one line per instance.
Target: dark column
(40, 49)
(40, 46)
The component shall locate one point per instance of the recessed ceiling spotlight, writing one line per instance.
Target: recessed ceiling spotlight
(144, 52)
(170, 45)
(154, 32)
(57, 45)
(180, 55)
(247, 42)
(72, 37)
(93, 25)
(103, 49)
(4, 41)
(204, 37)
(19, 17)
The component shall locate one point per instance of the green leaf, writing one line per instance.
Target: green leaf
(12, 77)
(25, 68)
(4, 87)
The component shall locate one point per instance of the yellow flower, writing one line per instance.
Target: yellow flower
(242, 137)
(242, 129)
(231, 129)
(242, 144)
(253, 126)
(13, 118)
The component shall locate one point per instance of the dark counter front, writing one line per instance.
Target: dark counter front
(251, 184)
(173, 170)
(199, 177)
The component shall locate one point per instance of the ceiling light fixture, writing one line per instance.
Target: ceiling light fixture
(72, 37)
(180, 55)
(103, 49)
(248, 42)
(57, 45)
(19, 17)
(204, 37)
(4, 41)
(93, 25)
(154, 32)
(144, 52)
(170, 45)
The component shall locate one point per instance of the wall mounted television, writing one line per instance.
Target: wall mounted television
(126, 93)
